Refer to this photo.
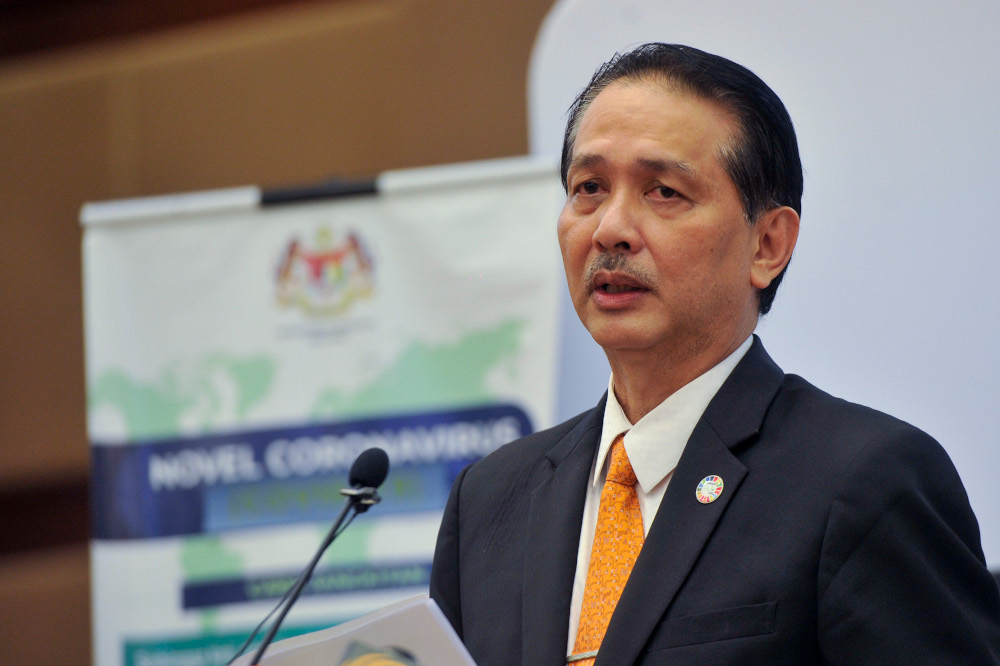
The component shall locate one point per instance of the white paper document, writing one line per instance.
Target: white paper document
(411, 632)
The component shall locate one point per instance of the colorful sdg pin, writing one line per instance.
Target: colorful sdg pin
(709, 489)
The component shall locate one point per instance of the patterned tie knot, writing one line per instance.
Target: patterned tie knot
(620, 470)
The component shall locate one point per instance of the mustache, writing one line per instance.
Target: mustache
(618, 263)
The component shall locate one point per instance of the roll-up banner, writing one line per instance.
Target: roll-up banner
(243, 346)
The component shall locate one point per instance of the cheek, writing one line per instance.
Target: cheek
(727, 266)
(574, 239)
(694, 258)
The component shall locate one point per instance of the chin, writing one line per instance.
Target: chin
(623, 338)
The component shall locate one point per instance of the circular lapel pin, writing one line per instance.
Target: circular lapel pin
(709, 489)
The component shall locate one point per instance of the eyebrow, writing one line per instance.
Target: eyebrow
(591, 160)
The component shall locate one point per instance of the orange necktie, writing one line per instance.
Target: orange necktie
(617, 542)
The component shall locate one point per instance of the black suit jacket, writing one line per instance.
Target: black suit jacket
(842, 536)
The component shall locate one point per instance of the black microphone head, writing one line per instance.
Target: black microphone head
(369, 469)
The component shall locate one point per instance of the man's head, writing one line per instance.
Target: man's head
(673, 232)
(761, 157)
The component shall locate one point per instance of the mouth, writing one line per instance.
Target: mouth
(614, 282)
(618, 288)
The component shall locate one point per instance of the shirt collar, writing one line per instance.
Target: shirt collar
(655, 443)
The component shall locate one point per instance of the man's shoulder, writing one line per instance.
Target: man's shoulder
(793, 415)
(801, 402)
(848, 438)
(759, 384)
(501, 483)
(529, 448)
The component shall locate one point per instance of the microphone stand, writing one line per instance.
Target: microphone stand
(359, 499)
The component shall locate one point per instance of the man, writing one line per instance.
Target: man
(747, 517)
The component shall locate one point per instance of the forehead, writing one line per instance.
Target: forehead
(658, 120)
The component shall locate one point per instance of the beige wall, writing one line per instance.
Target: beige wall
(282, 96)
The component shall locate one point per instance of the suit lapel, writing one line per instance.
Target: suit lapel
(554, 536)
(683, 525)
(676, 538)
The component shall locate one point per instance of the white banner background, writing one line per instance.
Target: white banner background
(242, 321)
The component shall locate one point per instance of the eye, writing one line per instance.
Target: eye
(589, 187)
(666, 192)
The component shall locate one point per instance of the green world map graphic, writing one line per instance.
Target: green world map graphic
(194, 397)
(219, 388)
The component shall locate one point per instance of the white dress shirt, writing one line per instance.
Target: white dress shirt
(654, 445)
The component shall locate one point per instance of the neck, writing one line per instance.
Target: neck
(643, 381)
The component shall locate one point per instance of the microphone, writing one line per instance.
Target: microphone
(368, 472)
(370, 468)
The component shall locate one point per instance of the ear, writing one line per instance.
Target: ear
(776, 233)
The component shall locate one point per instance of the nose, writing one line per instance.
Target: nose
(617, 227)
